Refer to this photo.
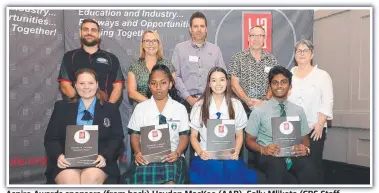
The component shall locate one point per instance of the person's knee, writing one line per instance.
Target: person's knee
(68, 177)
(170, 182)
(92, 179)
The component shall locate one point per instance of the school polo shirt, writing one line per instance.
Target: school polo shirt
(146, 114)
(105, 64)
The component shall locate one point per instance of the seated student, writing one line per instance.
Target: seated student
(217, 103)
(156, 111)
(259, 133)
(89, 107)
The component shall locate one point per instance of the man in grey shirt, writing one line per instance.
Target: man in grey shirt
(259, 133)
(193, 59)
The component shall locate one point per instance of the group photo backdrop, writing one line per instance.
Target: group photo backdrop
(38, 39)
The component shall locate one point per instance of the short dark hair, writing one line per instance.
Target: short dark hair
(279, 70)
(90, 21)
(198, 14)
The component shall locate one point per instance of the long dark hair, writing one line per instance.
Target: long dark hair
(207, 95)
(100, 95)
(174, 94)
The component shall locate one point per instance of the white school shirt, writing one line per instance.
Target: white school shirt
(314, 93)
(196, 122)
(146, 114)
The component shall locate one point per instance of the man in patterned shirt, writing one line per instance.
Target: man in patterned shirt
(249, 69)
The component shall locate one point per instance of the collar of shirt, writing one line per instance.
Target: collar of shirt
(195, 45)
(275, 104)
(91, 108)
(223, 109)
(97, 51)
(264, 53)
(166, 111)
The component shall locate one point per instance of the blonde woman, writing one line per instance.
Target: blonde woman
(151, 54)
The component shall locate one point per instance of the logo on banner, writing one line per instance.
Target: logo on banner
(251, 19)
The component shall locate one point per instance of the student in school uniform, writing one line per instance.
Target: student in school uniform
(157, 110)
(217, 103)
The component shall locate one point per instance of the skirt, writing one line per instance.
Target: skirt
(221, 172)
(159, 173)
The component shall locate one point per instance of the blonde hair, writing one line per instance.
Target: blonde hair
(160, 49)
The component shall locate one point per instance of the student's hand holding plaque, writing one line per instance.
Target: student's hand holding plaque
(101, 162)
(272, 150)
(172, 157)
(205, 155)
(139, 159)
(300, 150)
(235, 154)
(62, 162)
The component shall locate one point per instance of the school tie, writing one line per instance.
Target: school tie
(218, 115)
(87, 116)
(162, 119)
(284, 114)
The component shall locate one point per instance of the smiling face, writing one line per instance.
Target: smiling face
(159, 85)
(218, 82)
(86, 85)
(150, 44)
(280, 86)
(256, 38)
(89, 34)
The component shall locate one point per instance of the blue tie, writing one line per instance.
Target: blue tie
(162, 119)
(218, 115)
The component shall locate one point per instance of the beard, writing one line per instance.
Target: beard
(89, 44)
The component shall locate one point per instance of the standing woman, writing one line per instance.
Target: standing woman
(89, 107)
(157, 110)
(312, 89)
(151, 54)
(217, 103)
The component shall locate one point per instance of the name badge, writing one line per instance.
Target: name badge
(293, 118)
(193, 58)
(267, 69)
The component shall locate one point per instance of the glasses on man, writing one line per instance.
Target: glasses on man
(256, 36)
(155, 41)
(305, 51)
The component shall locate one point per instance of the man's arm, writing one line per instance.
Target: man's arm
(67, 89)
(238, 90)
(116, 92)
(179, 84)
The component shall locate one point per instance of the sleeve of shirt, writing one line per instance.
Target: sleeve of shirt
(326, 107)
(253, 124)
(195, 119)
(116, 72)
(171, 67)
(234, 67)
(66, 72)
(179, 84)
(132, 67)
(220, 60)
(305, 130)
(240, 115)
(184, 125)
(134, 124)
(274, 61)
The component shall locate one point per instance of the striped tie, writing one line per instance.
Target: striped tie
(284, 114)
(162, 119)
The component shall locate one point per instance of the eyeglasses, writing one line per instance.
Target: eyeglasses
(256, 36)
(305, 51)
(155, 41)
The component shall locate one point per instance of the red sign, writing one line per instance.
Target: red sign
(251, 19)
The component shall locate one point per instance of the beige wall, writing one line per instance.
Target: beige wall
(342, 48)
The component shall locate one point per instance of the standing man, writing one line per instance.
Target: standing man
(249, 69)
(105, 64)
(193, 59)
(259, 133)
